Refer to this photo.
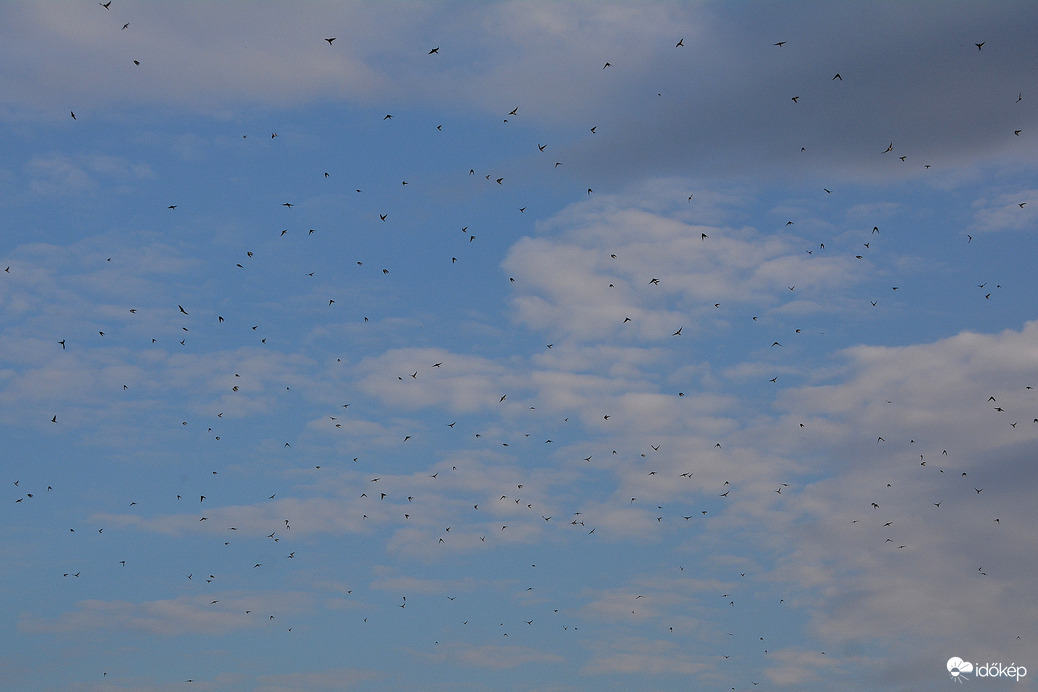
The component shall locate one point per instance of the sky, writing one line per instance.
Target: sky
(517, 345)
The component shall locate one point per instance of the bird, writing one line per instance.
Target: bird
(681, 42)
(837, 76)
(780, 44)
(106, 5)
(980, 45)
(435, 50)
(329, 40)
(73, 114)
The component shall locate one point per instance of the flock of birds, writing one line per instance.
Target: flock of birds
(390, 498)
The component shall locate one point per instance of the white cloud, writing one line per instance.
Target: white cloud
(170, 617)
(492, 656)
(320, 681)
(1002, 212)
(642, 656)
(610, 269)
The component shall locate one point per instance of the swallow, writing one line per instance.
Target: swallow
(329, 40)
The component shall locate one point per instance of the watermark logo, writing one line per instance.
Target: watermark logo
(959, 670)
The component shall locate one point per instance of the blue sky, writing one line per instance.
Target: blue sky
(632, 352)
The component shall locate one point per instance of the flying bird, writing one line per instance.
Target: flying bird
(329, 40)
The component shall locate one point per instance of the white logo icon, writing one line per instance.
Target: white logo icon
(956, 668)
